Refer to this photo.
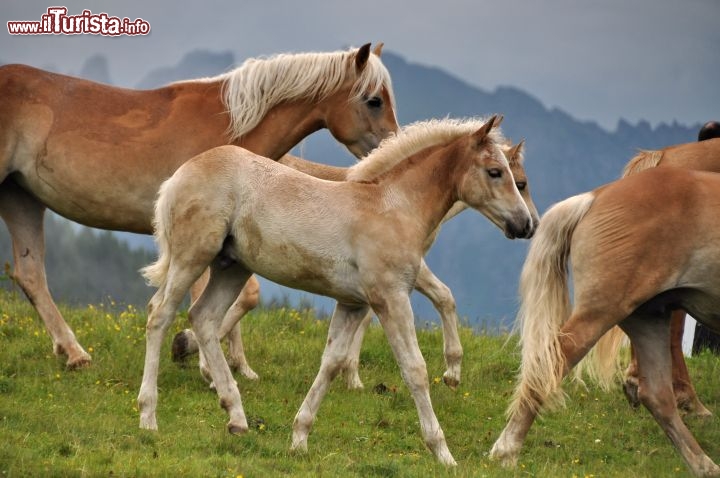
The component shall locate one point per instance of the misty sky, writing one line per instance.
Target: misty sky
(597, 60)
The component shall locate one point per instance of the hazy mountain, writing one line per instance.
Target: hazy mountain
(96, 68)
(196, 64)
(564, 157)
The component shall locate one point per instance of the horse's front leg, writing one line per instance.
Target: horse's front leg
(343, 327)
(205, 316)
(441, 297)
(396, 317)
(23, 215)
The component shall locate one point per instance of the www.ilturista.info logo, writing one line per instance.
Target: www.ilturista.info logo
(57, 22)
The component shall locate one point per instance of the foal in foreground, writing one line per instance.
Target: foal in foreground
(360, 242)
(629, 269)
(426, 283)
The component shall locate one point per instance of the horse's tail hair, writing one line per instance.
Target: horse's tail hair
(603, 362)
(642, 161)
(545, 305)
(156, 273)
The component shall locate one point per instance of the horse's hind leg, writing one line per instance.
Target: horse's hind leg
(222, 290)
(650, 337)
(343, 327)
(577, 336)
(685, 394)
(23, 215)
(185, 342)
(441, 296)
(352, 367)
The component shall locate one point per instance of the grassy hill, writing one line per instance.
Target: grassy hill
(85, 423)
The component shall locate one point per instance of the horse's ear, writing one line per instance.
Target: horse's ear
(481, 133)
(515, 151)
(498, 119)
(361, 57)
(378, 49)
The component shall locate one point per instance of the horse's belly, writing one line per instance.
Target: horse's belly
(124, 207)
(318, 275)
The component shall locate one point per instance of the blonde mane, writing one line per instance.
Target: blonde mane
(250, 90)
(412, 139)
(642, 161)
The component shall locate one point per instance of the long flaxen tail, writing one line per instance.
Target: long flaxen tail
(545, 305)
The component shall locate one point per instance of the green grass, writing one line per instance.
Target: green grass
(55, 422)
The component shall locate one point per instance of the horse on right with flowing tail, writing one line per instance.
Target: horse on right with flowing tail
(629, 269)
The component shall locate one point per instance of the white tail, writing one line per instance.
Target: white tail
(156, 273)
(545, 304)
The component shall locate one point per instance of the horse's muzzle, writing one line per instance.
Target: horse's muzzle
(523, 229)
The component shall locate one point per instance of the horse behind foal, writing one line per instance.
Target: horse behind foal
(617, 281)
(97, 154)
(359, 241)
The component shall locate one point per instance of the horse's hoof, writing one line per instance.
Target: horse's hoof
(451, 382)
(631, 393)
(236, 429)
(181, 346)
(80, 362)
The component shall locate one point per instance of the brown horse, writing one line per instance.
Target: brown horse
(97, 154)
(702, 156)
(358, 241)
(629, 269)
(185, 343)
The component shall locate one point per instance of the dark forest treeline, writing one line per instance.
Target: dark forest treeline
(86, 266)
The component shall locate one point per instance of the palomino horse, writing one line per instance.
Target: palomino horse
(427, 283)
(629, 269)
(360, 242)
(702, 156)
(97, 154)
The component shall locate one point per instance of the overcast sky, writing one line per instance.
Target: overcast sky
(598, 60)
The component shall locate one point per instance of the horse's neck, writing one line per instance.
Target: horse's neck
(427, 182)
(283, 127)
(322, 171)
(702, 156)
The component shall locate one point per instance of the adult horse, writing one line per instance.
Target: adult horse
(97, 154)
(185, 343)
(360, 241)
(628, 269)
(703, 156)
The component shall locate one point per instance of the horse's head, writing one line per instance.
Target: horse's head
(516, 158)
(488, 185)
(361, 113)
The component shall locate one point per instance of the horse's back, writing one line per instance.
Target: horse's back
(648, 233)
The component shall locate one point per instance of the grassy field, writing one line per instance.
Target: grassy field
(85, 423)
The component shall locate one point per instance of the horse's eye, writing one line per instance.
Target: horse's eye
(521, 185)
(494, 173)
(375, 102)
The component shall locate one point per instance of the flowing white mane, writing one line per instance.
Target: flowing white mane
(412, 139)
(250, 90)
